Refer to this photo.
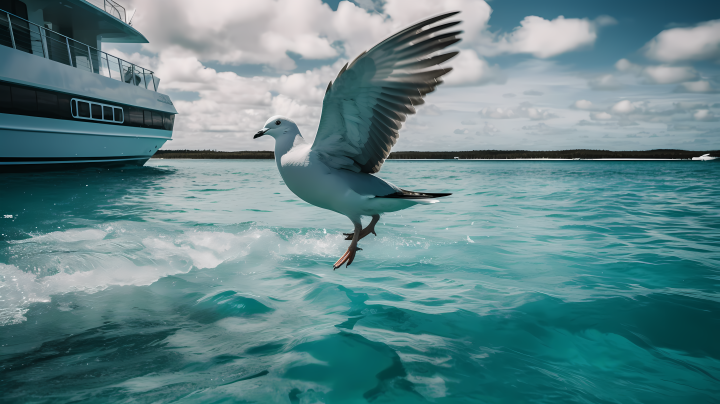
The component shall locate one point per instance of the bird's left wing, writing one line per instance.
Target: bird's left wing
(364, 108)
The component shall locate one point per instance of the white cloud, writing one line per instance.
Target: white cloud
(533, 92)
(660, 74)
(623, 107)
(475, 14)
(669, 74)
(468, 68)
(700, 86)
(524, 110)
(582, 104)
(248, 31)
(704, 115)
(625, 65)
(701, 42)
(547, 38)
(600, 116)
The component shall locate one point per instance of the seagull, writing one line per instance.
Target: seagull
(363, 110)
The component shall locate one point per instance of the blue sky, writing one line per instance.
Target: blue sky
(557, 74)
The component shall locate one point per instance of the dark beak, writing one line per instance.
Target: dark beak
(261, 132)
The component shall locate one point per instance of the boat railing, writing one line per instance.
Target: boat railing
(25, 36)
(111, 7)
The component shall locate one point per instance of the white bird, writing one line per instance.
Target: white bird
(362, 112)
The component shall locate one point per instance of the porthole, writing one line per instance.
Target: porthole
(94, 111)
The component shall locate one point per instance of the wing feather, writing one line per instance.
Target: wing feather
(366, 105)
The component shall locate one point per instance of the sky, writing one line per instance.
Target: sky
(531, 75)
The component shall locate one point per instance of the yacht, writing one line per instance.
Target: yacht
(704, 157)
(64, 103)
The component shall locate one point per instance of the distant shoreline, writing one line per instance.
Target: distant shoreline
(554, 155)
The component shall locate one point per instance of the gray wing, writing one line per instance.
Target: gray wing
(364, 108)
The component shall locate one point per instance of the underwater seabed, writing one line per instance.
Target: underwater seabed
(208, 281)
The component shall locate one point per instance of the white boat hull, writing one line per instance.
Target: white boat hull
(31, 143)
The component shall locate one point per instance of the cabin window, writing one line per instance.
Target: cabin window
(5, 98)
(83, 109)
(47, 104)
(24, 99)
(157, 118)
(148, 117)
(95, 111)
(168, 121)
(135, 117)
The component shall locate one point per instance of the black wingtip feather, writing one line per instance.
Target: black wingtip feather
(405, 194)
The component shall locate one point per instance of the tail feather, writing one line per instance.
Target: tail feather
(405, 194)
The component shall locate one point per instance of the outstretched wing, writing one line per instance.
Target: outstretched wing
(364, 108)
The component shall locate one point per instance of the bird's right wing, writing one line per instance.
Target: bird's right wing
(364, 108)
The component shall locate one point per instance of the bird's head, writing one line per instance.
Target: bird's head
(278, 125)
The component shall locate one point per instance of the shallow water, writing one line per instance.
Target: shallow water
(209, 281)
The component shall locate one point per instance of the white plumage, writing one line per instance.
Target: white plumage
(363, 111)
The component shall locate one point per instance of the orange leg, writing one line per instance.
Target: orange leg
(349, 255)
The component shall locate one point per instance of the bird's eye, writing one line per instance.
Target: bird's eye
(277, 122)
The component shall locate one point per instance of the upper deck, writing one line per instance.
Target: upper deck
(91, 22)
(29, 37)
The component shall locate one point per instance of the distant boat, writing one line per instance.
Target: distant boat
(704, 157)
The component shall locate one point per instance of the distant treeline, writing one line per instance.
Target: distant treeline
(475, 154)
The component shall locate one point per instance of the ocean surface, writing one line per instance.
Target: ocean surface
(208, 281)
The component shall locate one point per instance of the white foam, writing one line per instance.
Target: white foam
(123, 255)
(67, 236)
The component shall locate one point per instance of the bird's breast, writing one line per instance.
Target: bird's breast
(313, 183)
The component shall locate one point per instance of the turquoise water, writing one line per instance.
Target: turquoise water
(208, 281)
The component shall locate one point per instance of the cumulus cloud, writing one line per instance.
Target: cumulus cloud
(701, 42)
(468, 122)
(704, 115)
(524, 110)
(660, 74)
(547, 38)
(582, 104)
(468, 68)
(625, 65)
(626, 113)
(669, 74)
(600, 116)
(623, 107)
(700, 86)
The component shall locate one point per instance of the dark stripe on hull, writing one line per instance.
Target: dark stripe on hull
(63, 159)
(58, 165)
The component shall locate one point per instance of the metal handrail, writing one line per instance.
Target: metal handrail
(55, 46)
(112, 8)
